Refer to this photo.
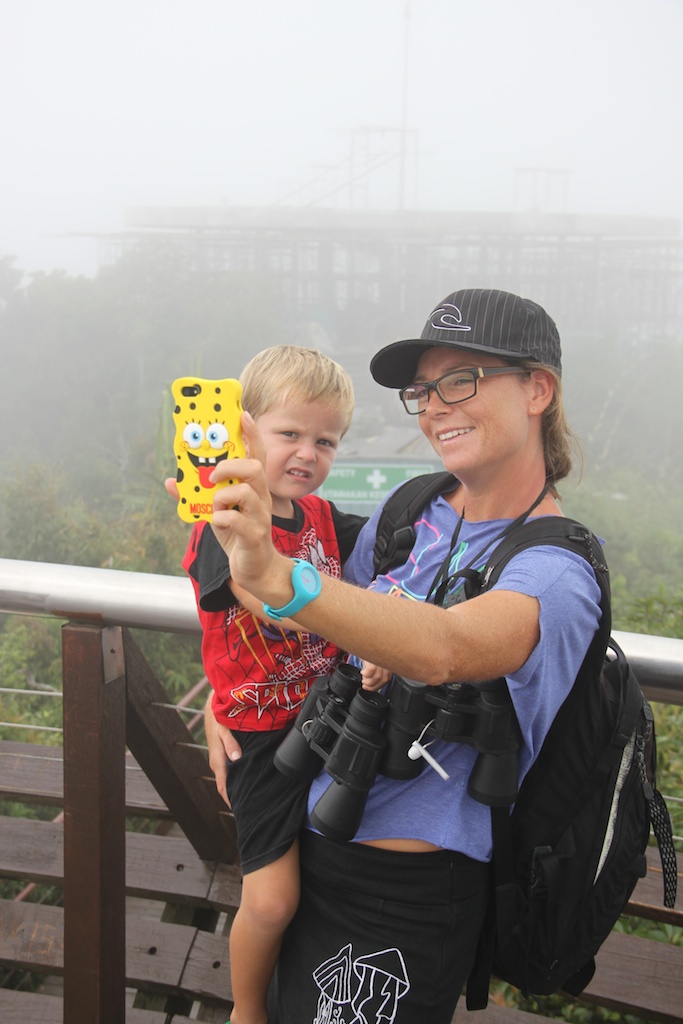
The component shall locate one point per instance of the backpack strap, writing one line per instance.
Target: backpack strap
(395, 529)
(557, 531)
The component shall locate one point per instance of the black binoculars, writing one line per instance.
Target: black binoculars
(356, 733)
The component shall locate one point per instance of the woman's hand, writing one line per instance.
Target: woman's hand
(223, 747)
(242, 520)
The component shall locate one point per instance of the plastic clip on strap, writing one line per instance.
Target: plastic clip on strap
(307, 585)
(417, 749)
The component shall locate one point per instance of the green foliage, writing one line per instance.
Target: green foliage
(657, 614)
(42, 520)
(643, 547)
(656, 930)
(560, 1007)
(30, 656)
(176, 660)
(49, 894)
(89, 360)
(33, 812)
(669, 730)
(141, 534)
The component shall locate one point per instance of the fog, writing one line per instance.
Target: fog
(506, 104)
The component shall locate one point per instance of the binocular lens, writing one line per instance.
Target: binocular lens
(338, 812)
(493, 780)
(353, 765)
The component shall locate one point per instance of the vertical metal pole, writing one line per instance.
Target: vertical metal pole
(94, 825)
(404, 113)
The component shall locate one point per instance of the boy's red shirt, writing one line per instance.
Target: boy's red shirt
(261, 673)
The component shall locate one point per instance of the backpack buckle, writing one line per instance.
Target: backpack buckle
(538, 880)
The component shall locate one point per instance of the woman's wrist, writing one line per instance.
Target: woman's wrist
(277, 590)
(306, 585)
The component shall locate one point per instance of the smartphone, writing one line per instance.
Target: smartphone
(207, 418)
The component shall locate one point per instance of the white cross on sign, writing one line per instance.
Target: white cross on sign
(376, 479)
(356, 484)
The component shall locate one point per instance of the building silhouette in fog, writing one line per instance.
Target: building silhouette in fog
(384, 270)
(349, 281)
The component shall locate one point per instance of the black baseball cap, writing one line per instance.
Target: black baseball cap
(480, 319)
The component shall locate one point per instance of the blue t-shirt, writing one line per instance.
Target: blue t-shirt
(440, 811)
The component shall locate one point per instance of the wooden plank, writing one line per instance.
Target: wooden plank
(33, 773)
(646, 900)
(494, 1014)
(168, 868)
(633, 975)
(34, 1008)
(32, 937)
(156, 954)
(32, 851)
(207, 971)
(640, 976)
(160, 957)
(17, 747)
(226, 887)
(164, 868)
(162, 744)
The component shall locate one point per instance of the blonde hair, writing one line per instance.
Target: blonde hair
(286, 372)
(560, 443)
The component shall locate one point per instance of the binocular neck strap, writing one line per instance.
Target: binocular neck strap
(443, 581)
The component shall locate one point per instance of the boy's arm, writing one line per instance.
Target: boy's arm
(374, 677)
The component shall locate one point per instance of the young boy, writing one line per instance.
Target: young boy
(260, 671)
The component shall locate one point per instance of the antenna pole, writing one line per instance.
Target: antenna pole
(404, 110)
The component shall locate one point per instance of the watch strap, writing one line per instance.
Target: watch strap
(307, 585)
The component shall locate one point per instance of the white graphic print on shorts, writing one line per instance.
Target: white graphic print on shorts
(361, 991)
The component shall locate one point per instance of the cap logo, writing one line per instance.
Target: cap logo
(448, 318)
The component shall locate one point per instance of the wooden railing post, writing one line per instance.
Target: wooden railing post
(94, 825)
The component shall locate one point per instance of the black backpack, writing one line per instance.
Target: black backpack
(568, 857)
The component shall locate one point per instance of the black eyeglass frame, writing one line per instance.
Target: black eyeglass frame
(477, 373)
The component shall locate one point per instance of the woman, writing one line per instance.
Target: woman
(388, 924)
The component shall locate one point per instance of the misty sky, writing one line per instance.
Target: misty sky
(210, 102)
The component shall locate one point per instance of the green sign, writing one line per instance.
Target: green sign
(368, 483)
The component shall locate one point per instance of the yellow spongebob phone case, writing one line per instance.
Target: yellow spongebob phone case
(207, 417)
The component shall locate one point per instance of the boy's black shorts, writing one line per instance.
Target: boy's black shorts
(269, 808)
(379, 935)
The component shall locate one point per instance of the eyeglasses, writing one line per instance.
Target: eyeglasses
(453, 387)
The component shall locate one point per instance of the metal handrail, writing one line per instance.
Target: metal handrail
(146, 601)
(107, 597)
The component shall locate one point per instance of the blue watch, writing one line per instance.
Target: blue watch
(307, 586)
